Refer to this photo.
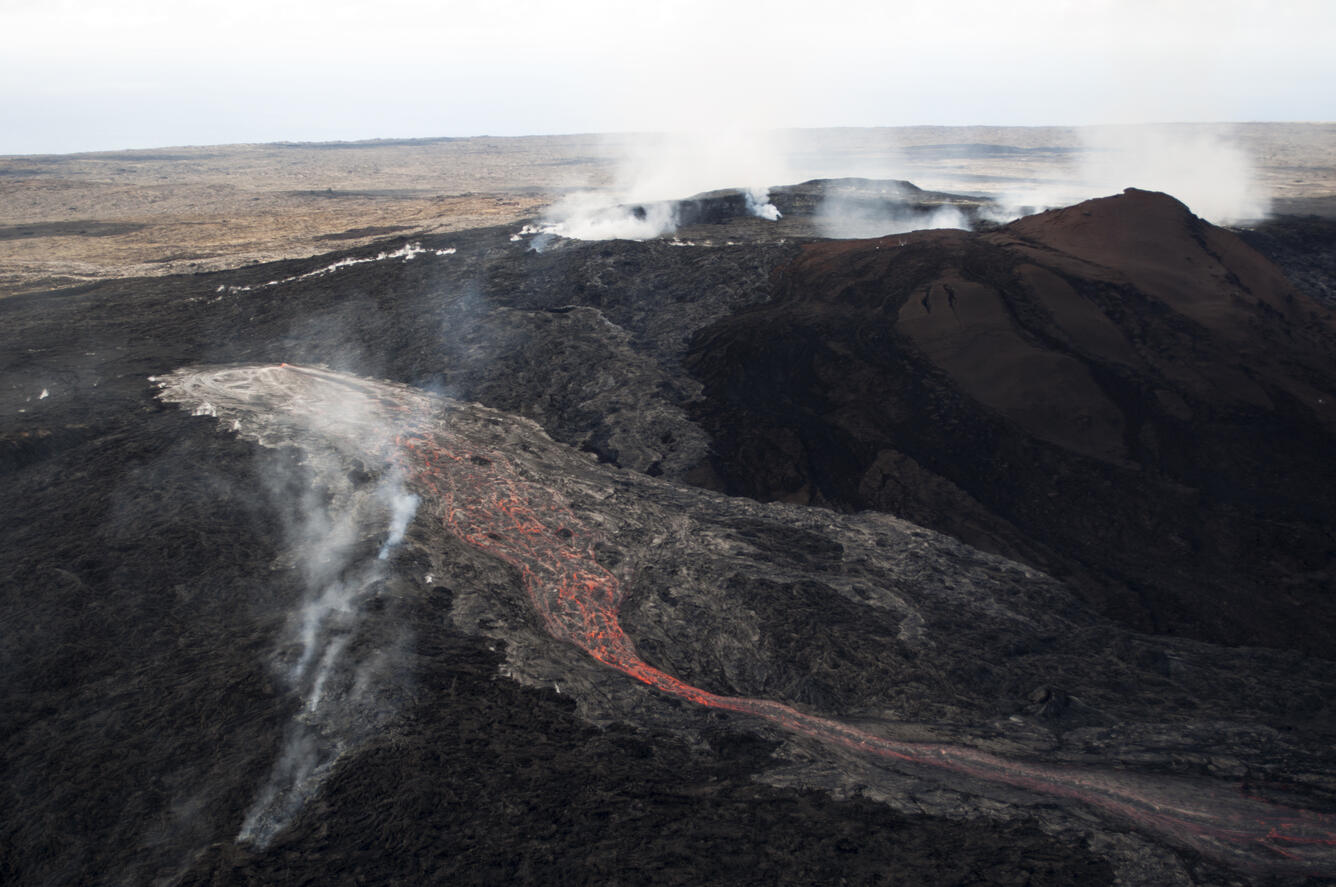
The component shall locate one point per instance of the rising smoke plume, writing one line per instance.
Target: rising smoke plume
(331, 672)
(849, 212)
(653, 171)
(1204, 168)
(341, 668)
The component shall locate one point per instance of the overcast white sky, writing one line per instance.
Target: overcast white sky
(79, 75)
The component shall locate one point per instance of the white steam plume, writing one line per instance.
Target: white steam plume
(344, 666)
(339, 686)
(403, 505)
(589, 215)
(1204, 168)
(845, 213)
(654, 170)
(759, 205)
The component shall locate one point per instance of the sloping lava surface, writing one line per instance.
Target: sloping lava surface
(582, 539)
(152, 566)
(1117, 392)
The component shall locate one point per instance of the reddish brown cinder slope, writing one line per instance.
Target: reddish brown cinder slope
(1117, 392)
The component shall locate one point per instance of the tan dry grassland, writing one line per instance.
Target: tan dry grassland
(67, 219)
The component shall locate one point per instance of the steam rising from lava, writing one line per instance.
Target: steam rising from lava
(1207, 169)
(844, 213)
(334, 677)
(1210, 172)
(655, 170)
(485, 497)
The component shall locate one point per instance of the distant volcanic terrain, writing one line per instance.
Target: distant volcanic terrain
(738, 555)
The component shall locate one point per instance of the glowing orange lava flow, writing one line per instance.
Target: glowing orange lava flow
(484, 498)
(484, 501)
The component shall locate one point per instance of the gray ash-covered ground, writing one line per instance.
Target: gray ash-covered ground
(152, 565)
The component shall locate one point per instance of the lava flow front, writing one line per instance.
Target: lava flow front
(492, 502)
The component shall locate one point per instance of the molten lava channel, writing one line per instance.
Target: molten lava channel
(483, 498)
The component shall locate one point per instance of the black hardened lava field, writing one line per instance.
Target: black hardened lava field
(733, 556)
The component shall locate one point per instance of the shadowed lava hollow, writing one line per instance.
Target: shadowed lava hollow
(154, 567)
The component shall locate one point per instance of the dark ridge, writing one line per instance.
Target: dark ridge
(977, 151)
(1116, 392)
(77, 228)
(370, 231)
(801, 203)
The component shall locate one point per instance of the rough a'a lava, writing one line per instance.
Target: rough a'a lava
(1142, 420)
(491, 501)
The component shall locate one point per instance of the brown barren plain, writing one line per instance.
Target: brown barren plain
(75, 218)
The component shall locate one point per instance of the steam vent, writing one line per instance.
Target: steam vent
(741, 553)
